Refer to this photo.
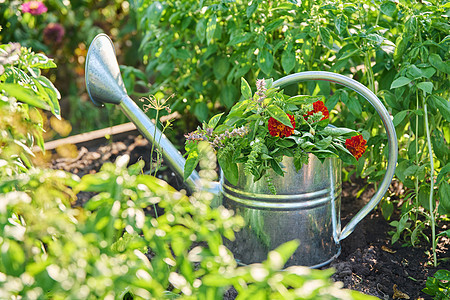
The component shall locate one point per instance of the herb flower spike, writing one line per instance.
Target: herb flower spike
(356, 145)
(318, 106)
(261, 90)
(278, 129)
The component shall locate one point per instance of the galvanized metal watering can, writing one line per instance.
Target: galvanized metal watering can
(307, 204)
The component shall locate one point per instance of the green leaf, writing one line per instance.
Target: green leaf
(414, 72)
(252, 8)
(345, 155)
(24, 95)
(444, 197)
(285, 143)
(341, 23)
(424, 197)
(216, 280)
(377, 39)
(427, 87)
(13, 257)
(52, 93)
(238, 37)
(401, 46)
(401, 81)
(338, 131)
(436, 61)
(442, 274)
(274, 25)
(443, 105)
(388, 8)
(211, 28)
(324, 143)
(444, 171)
(200, 29)
(265, 61)
(192, 159)
(349, 54)
(353, 105)
(276, 167)
(288, 61)
(387, 208)
(246, 91)
(399, 117)
(201, 111)
(325, 35)
(42, 62)
(303, 99)
(279, 115)
(214, 120)
(229, 95)
(229, 168)
(221, 67)
(284, 251)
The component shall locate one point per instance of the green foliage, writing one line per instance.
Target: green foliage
(438, 285)
(400, 50)
(51, 250)
(23, 89)
(64, 32)
(248, 136)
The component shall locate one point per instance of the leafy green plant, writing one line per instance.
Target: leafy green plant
(24, 90)
(265, 127)
(438, 285)
(63, 31)
(423, 116)
(200, 50)
(113, 248)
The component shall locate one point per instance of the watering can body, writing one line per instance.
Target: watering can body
(306, 208)
(307, 204)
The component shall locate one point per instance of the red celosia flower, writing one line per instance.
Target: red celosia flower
(277, 128)
(53, 33)
(356, 145)
(318, 106)
(34, 7)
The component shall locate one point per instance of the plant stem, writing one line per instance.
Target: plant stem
(153, 144)
(369, 72)
(417, 152)
(430, 153)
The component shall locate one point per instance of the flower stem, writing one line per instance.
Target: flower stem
(430, 153)
(153, 144)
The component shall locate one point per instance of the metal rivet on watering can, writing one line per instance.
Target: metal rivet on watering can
(307, 204)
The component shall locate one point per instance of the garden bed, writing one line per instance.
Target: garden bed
(368, 263)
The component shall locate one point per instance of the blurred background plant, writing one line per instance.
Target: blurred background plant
(63, 30)
(25, 93)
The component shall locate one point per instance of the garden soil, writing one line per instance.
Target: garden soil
(368, 263)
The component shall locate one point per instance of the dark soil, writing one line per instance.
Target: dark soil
(368, 263)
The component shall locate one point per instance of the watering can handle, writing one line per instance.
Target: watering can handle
(385, 117)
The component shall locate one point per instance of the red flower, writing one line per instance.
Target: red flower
(356, 145)
(279, 129)
(318, 106)
(34, 7)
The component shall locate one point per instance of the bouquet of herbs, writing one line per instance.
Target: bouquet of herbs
(264, 127)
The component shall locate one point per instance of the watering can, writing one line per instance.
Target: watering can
(307, 204)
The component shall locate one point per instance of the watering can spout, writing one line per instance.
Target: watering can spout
(105, 85)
